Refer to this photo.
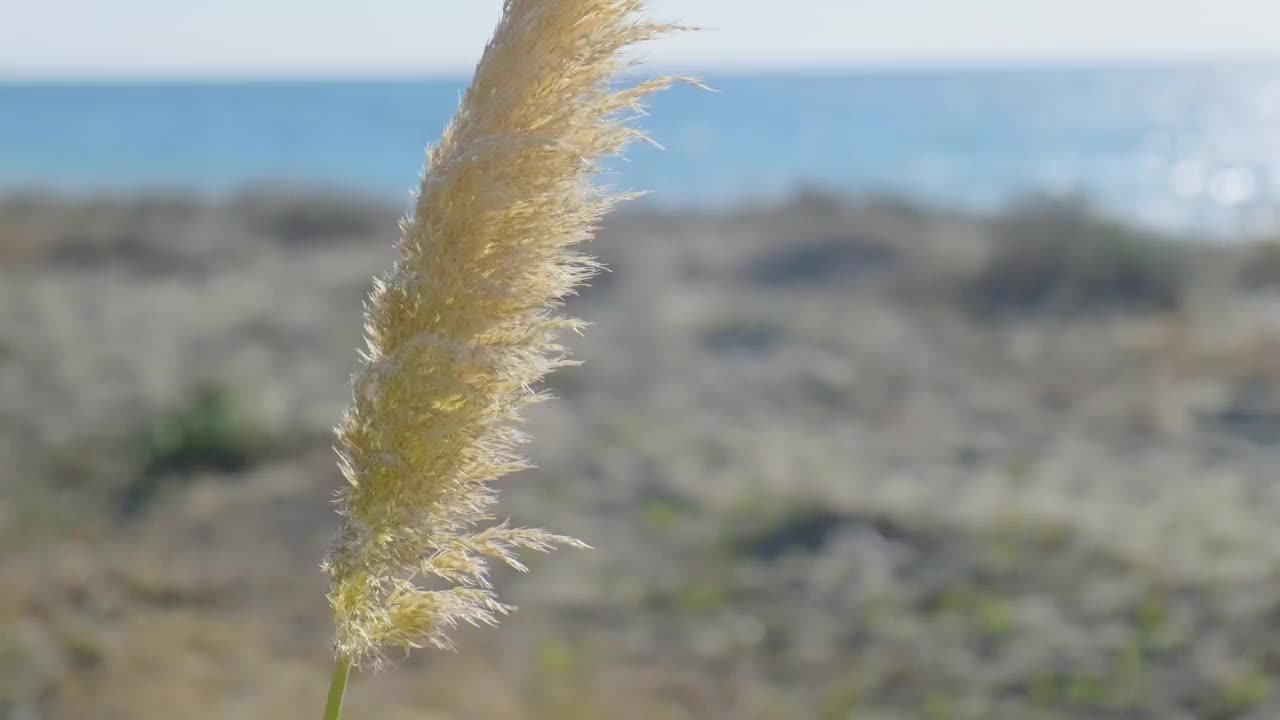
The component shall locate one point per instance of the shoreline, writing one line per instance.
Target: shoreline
(649, 205)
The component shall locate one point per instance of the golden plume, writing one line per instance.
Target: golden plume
(464, 326)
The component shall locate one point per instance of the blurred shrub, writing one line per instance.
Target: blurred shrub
(743, 333)
(1260, 266)
(1057, 255)
(821, 263)
(148, 231)
(208, 432)
(312, 217)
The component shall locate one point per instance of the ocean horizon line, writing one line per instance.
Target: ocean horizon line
(844, 68)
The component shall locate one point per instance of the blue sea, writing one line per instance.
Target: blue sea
(1187, 148)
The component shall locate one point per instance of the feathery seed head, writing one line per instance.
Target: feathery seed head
(465, 323)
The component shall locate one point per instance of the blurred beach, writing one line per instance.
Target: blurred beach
(907, 395)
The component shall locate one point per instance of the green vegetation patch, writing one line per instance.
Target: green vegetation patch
(1058, 256)
(209, 431)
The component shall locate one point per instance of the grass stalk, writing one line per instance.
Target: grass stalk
(337, 688)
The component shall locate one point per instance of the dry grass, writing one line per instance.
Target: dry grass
(466, 323)
(816, 492)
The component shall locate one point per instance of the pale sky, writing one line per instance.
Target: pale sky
(182, 38)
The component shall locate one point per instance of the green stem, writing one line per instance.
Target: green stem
(337, 688)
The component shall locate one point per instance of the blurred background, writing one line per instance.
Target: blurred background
(938, 377)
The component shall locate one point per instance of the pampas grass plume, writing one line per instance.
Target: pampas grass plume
(464, 326)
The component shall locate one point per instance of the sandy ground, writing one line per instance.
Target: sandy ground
(839, 459)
